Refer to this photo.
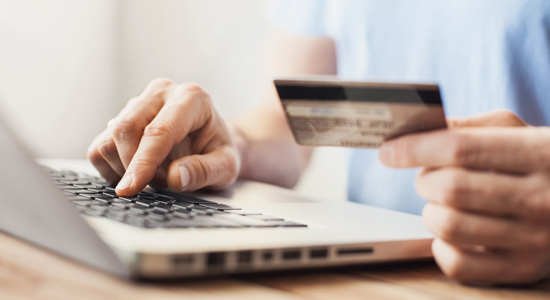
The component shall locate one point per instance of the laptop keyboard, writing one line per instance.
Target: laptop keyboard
(95, 197)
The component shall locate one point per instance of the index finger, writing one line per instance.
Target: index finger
(510, 149)
(184, 112)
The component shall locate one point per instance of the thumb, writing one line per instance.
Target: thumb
(494, 118)
(215, 170)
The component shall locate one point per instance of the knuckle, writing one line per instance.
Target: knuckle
(536, 203)
(464, 150)
(202, 172)
(107, 148)
(158, 129)
(539, 150)
(93, 154)
(508, 117)
(124, 129)
(191, 91)
(450, 229)
(192, 87)
(454, 188)
(455, 267)
(540, 239)
(161, 82)
(158, 86)
(140, 162)
(530, 270)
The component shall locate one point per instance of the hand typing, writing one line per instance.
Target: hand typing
(169, 135)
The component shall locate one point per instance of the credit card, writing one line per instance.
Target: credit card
(358, 114)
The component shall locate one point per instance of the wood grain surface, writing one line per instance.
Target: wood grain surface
(29, 272)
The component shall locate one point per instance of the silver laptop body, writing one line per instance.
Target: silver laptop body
(34, 209)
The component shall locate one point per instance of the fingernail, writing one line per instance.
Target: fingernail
(125, 182)
(387, 154)
(184, 175)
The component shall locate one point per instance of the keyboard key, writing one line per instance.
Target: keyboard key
(194, 200)
(244, 212)
(129, 199)
(220, 206)
(118, 200)
(81, 191)
(98, 191)
(135, 221)
(245, 221)
(69, 188)
(89, 196)
(92, 212)
(153, 224)
(184, 214)
(100, 199)
(110, 193)
(180, 223)
(182, 205)
(103, 196)
(97, 185)
(100, 208)
(164, 207)
(115, 216)
(288, 224)
(124, 205)
(216, 222)
(140, 209)
(155, 215)
(145, 202)
(267, 218)
(165, 201)
(206, 211)
(73, 182)
(83, 202)
(70, 195)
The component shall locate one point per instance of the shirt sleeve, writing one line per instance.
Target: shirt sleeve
(305, 17)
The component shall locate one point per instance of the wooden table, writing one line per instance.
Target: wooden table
(29, 272)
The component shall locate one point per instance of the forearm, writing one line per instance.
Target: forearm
(267, 149)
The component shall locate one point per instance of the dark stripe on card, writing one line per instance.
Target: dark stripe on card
(370, 94)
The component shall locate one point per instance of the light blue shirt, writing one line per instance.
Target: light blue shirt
(484, 54)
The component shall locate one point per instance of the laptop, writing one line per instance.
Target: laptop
(250, 227)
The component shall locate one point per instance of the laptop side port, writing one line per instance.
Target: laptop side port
(318, 253)
(355, 251)
(183, 262)
(215, 260)
(292, 254)
(244, 259)
(267, 256)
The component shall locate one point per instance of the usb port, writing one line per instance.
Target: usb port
(292, 255)
(244, 257)
(318, 253)
(215, 260)
(351, 251)
(267, 256)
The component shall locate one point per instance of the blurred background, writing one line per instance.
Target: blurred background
(67, 67)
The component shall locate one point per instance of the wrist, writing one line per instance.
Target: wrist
(240, 143)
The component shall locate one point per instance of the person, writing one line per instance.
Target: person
(484, 186)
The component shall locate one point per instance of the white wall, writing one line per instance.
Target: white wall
(67, 67)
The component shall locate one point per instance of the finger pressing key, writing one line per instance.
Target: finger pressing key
(129, 125)
(187, 109)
